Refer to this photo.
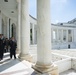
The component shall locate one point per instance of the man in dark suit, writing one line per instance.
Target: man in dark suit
(1, 47)
(13, 46)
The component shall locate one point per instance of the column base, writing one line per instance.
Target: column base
(17, 51)
(26, 57)
(49, 70)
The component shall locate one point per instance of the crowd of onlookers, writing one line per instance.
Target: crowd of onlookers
(7, 45)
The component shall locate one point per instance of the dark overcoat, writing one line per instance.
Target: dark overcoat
(13, 46)
(1, 48)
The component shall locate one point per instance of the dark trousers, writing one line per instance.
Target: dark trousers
(12, 53)
(1, 54)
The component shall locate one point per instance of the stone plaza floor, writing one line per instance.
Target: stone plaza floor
(16, 67)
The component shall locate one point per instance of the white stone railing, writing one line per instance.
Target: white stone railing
(63, 58)
(62, 61)
(57, 57)
(73, 63)
(63, 65)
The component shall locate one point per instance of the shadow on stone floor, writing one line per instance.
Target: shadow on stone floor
(34, 73)
(10, 63)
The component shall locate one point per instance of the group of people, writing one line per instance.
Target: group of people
(7, 46)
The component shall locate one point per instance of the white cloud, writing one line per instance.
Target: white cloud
(57, 21)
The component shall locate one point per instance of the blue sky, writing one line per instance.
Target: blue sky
(61, 10)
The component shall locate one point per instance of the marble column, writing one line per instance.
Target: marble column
(10, 27)
(25, 31)
(66, 35)
(57, 36)
(72, 35)
(19, 27)
(52, 35)
(33, 34)
(0, 23)
(7, 27)
(44, 62)
(62, 36)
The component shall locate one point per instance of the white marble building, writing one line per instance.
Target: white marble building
(16, 21)
(63, 34)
